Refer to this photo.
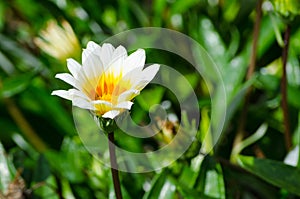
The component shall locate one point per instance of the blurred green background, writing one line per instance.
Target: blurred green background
(41, 155)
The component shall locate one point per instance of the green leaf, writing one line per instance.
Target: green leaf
(288, 9)
(188, 177)
(51, 107)
(162, 187)
(5, 170)
(71, 161)
(41, 170)
(294, 96)
(274, 172)
(15, 84)
(150, 97)
(210, 179)
(158, 7)
(214, 183)
(2, 14)
(6, 64)
(49, 190)
(181, 6)
(28, 61)
(212, 41)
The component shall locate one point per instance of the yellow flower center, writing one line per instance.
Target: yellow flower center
(108, 88)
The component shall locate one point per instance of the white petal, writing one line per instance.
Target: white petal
(93, 47)
(124, 105)
(66, 77)
(133, 75)
(128, 95)
(136, 59)
(82, 103)
(117, 61)
(106, 53)
(73, 66)
(111, 114)
(120, 51)
(146, 76)
(63, 94)
(92, 67)
(70, 94)
(102, 102)
(76, 93)
(150, 72)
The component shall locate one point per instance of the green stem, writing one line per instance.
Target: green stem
(284, 104)
(114, 165)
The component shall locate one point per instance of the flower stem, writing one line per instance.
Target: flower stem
(114, 165)
(284, 104)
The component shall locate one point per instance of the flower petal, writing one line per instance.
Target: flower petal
(120, 51)
(73, 66)
(136, 59)
(146, 76)
(124, 105)
(66, 77)
(111, 114)
(92, 67)
(76, 93)
(106, 53)
(117, 61)
(63, 94)
(102, 106)
(128, 95)
(70, 94)
(82, 103)
(101, 102)
(93, 47)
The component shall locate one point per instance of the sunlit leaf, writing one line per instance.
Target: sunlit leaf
(161, 187)
(5, 172)
(274, 172)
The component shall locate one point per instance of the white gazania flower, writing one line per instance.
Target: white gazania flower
(108, 79)
(59, 42)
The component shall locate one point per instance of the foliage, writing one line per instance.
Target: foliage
(42, 155)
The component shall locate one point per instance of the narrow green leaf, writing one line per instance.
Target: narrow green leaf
(214, 183)
(210, 181)
(294, 96)
(15, 84)
(162, 187)
(6, 174)
(182, 6)
(158, 7)
(28, 61)
(6, 64)
(50, 106)
(274, 172)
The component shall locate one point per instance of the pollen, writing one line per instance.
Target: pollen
(110, 86)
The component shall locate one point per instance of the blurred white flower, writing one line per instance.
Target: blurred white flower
(59, 42)
(108, 79)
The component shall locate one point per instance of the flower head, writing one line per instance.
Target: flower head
(59, 42)
(108, 79)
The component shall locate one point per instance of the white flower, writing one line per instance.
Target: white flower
(108, 79)
(59, 42)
